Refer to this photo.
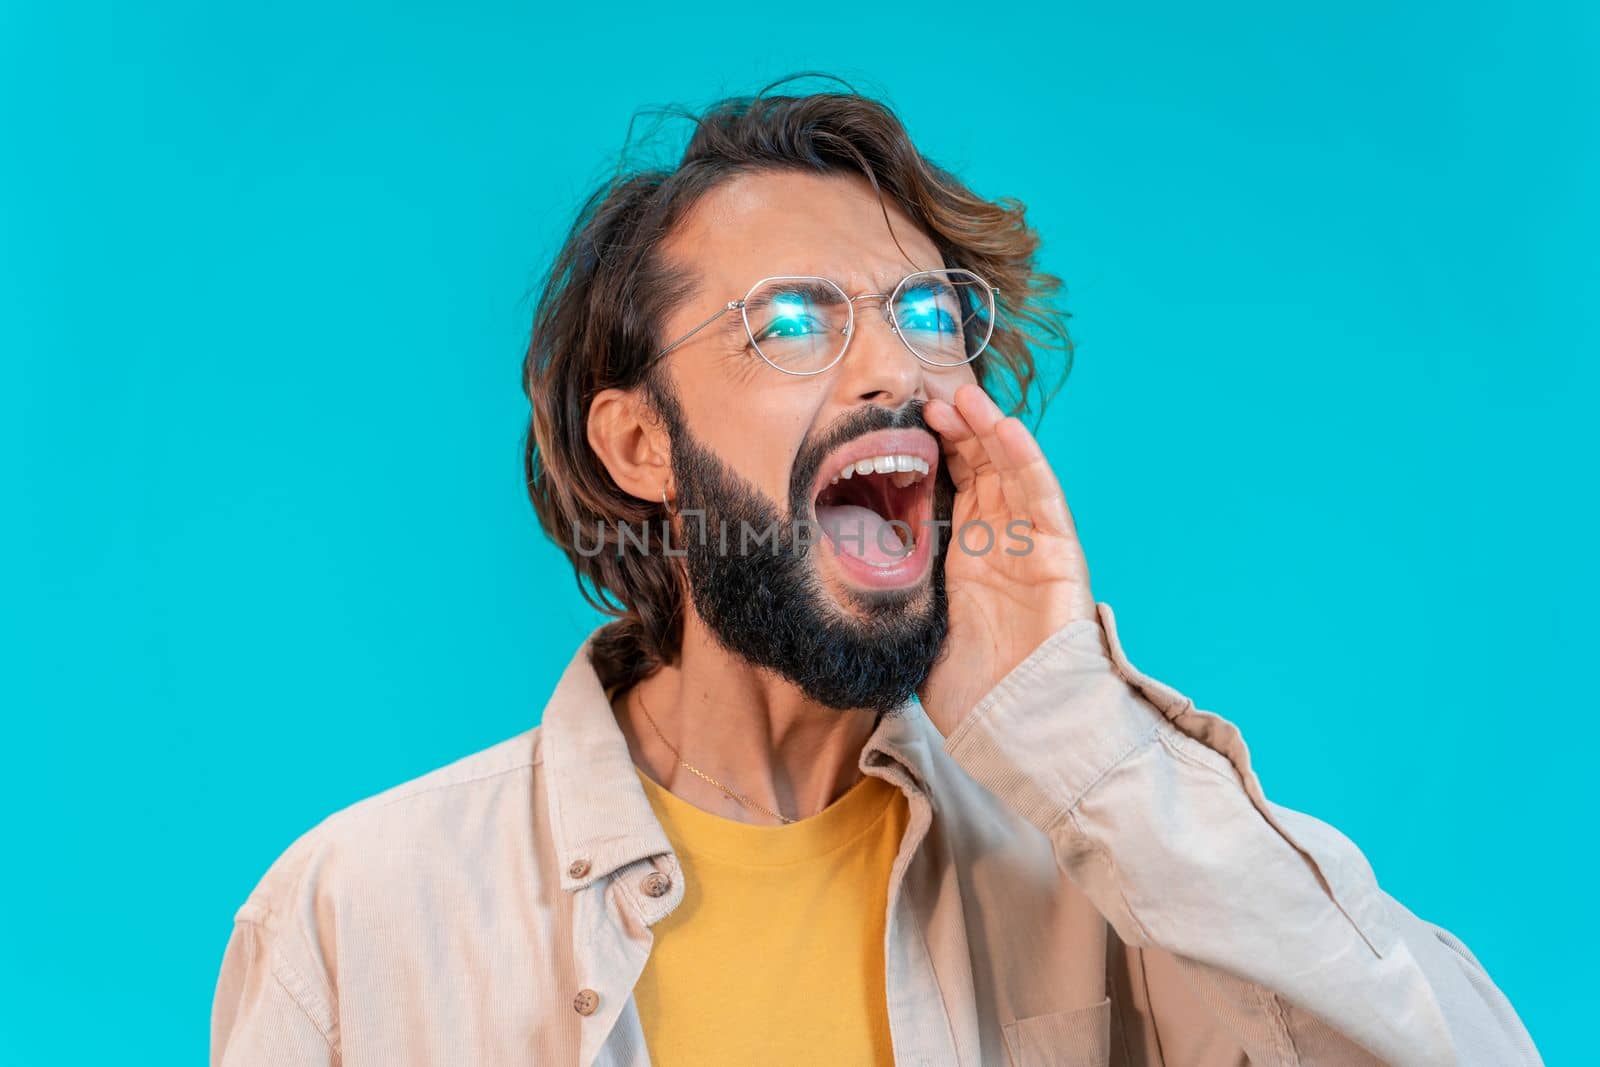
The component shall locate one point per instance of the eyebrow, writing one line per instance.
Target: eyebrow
(813, 291)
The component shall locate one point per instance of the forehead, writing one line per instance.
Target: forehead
(762, 224)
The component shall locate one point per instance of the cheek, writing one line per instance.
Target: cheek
(759, 435)
(943, 383)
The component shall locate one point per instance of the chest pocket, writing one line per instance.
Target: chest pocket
(1077, 1038)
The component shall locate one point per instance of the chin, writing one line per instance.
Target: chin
(878, 614)
(908, 589)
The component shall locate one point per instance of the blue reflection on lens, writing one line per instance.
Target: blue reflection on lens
(790, 318)
(919, 310)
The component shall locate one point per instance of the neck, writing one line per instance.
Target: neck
(751, 731)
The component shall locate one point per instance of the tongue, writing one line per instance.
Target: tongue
(862, 533)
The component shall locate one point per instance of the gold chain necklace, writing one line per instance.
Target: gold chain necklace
(738, 797)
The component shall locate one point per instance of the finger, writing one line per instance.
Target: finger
(978, 409)
(944, 419)
(947, 423)
(981, 475)
(984, 416)
(1033, 480)
(962, 450)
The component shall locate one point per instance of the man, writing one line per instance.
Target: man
(860, 772)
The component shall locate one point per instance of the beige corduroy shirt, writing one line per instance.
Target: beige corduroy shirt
(1091, 875)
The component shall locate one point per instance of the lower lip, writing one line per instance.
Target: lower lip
(906, 571)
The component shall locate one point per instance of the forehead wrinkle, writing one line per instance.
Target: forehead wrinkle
(853, 273)
(884, 281)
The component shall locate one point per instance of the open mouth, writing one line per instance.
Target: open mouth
(875, 505)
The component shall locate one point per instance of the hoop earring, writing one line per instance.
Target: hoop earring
(664, 504)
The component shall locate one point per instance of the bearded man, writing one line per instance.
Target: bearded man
(859, 773)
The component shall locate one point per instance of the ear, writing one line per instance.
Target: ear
(627, 435)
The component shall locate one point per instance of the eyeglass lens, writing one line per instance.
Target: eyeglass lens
(799, 325)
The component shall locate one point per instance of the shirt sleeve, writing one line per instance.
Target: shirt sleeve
(264, 1014)
(1274, 919)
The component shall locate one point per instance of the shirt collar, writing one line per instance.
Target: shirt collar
(600, 817)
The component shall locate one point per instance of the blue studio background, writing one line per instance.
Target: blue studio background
(263, 296)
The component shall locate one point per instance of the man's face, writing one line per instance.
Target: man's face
(857, 620)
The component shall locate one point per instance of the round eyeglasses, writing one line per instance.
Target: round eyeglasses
(800, 324)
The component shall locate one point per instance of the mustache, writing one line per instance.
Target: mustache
(847, 427)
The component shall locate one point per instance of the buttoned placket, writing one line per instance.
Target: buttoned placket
(919, 1022)
(650, 890)
(612, 938)
(623, 877)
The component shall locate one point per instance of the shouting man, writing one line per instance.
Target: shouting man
(859, 773)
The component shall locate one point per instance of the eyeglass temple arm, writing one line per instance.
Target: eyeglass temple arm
(729, 306)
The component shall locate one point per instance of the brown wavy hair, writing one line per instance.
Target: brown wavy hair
(609, 289)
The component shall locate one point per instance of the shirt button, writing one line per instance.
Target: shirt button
(586, 1002)
(579, 868)
(656, 884)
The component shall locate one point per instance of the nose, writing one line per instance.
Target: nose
(877, 368)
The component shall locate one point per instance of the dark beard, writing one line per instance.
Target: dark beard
(770, 608)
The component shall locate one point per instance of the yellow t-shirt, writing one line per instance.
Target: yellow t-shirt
(775, 955)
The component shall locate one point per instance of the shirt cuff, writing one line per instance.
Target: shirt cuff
(1058, 722)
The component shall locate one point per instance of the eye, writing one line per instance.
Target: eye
(797, 325)
(927, 309)
(788, 315)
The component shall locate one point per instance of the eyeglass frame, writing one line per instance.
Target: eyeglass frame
(850, 322)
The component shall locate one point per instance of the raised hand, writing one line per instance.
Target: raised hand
(1030, 581)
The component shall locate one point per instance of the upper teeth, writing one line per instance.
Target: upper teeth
(884, 465)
